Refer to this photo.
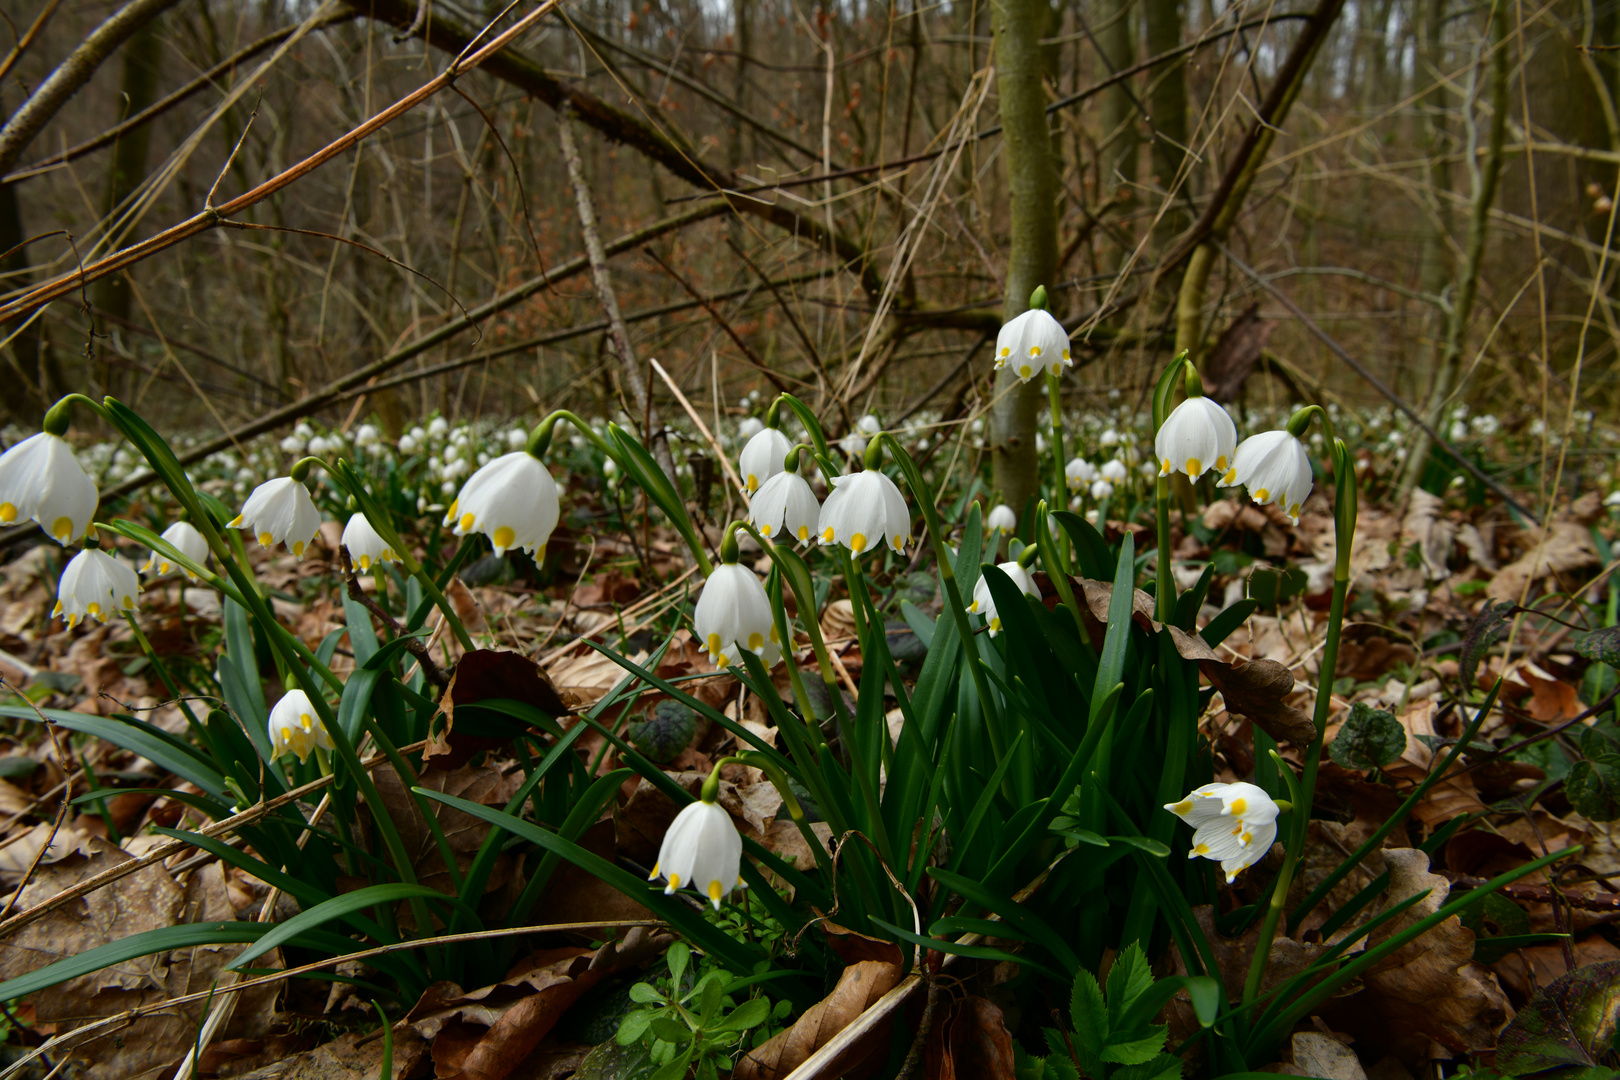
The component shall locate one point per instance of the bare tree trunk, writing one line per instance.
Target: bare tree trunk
(1167, 104)
(1032, 256)
(1120, 137)
(1483, 176)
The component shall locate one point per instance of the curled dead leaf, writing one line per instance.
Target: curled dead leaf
(481, 675)
(972, 1043)
(858, 988)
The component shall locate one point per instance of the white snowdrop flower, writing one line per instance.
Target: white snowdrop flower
(734, 613)
(304, 431)
(749, 427)
(365, 546)
(1459, 431)
(1040, 443)
(1109, 438)
(123, 457)
(318, 446)
(452, 452)
(367, 435)
(785, 506)
(1113, 470)
(462, 437)
(977, 426)
(1001, 519)
(1079, 472)
(483, 458)
(517, 439)
(407, 444)
(853, 444)
(702, 849)
(1031, 343)
(40, 479)
(296, 728)
(1197, 436)
(1076, 503)
(1486, 425)
(865, 510)
(280, 511)
(762, 458)
(610, 468)
(437, 427)
(1613, 499)
(417, 433)
(1101, 489)
(293, 445)
(1274, 466)
(985, 604)
(95, 585)
(1233, 824)
(868, 425)
(512, 500)
(446, 488)
(183, 535)
(744, 402)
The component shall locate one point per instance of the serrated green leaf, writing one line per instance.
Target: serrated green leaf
(1089, 1015)
(1601, 645)
(1370, 739)
(1594, 791)
(1135, 1047)
(1128, 979)
(1162, 1067)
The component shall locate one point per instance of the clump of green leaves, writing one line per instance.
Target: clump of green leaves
(693, 1031)
(1370, 739)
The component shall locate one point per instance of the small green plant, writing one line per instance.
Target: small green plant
(693, 1031)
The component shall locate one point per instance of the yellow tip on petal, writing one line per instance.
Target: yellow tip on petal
(857, 543)
(298, 548)
(1262, 494)
(715, 647)
(756, 641)
(1201, 849)
(804, 532)
(1181, 807)
(62, 529)
(8, 513)
(1229, 477)
(236, 522)
(1195, 468)
(128, 603)
(995, 624)
(93, 609)
(265, 539)
(365, 562)
(1025, 371)
(504, 536)
(827, 535)
(467, 522)
(764, 530)
(1239, 807)
(674, 882)
(715, 892)
(654, 875)
(1220, 463)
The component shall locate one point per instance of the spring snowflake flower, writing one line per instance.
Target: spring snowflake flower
(1109, 438)
(407, 443)
(365, 545)
(1101, 489)
(367, 435)
(1233, 824)
(184, 536)
(96, 585)
(1079, 472)
(1001, 519)
(868, 425)
(985, 604)
(1113, 470)
(1274, 466)
(865, 510)
(280, 511)
(853, 444)
(702, 849)
(40, 479)
(785, 506)
(1197, 436)
(512, 500)
(749, 426)
(437, 427)
(1031, 343)
(733, 614)
(296, 728)
(762, 458)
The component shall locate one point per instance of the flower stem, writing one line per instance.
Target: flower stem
(1164, 597)
(1060, 479)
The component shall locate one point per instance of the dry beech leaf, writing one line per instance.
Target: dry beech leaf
(485, 785)
(485, 1034)
(973, 1043)
(1434, 534)
(480, 675)
(1257, 690)
(1566, 548)
(858, 988)
(838, 622)
(1449, 797)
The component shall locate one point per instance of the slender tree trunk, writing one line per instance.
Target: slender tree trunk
(1120, 134)
(1483, 176)
(1167, 104)
(1032, 257)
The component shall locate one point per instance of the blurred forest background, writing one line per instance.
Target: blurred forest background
(843, 200)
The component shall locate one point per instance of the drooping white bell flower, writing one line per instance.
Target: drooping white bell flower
(42, 480)
(1101, 489)
(868, 425)
(512, 500)
(184, 536)
(749, 426)
(985, 604)
(296, 728)
(365, 545)
(864, 511)
(1274, 466)
(1233, 824)
(785, 506)
(1079, 472)
(1113, 470)
(95, 585)
(853, 444)
(734, 613)
(1031, 343)
(1109, 438)
(762, 458)
(1197, 436)
(703, 850)
(280, 511)
(367, 435)
(1001, 519)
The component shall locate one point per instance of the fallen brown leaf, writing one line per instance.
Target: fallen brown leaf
(971, 1043)
(858, 988)
(480, 675)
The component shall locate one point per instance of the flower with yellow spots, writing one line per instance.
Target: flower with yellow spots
(1196, 437)
(1032, 343)
(985, 604)
(184, 537)
(40, 479)
(1274, 466)
(866, 511)
(512, 500)
(1002, 519)
(280, 511)
(296, 728)
(702, 850)
(366, 548)
(762, 457)
(1233, 824)
(784, 507)
(735, 614)
(95, 585)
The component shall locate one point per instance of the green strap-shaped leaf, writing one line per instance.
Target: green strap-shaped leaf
(337, 908)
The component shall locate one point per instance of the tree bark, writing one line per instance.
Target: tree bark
(1032, 256)
(1167, 104)
(127, 170)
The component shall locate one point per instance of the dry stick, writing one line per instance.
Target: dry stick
(1376, 383)
(163, 851)
(720, 320)
(68, 767)
(703, 429)
(211, 217)
(158, 108)
(822, 377)
(347, 958)
(28, 37)
(928, 395)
